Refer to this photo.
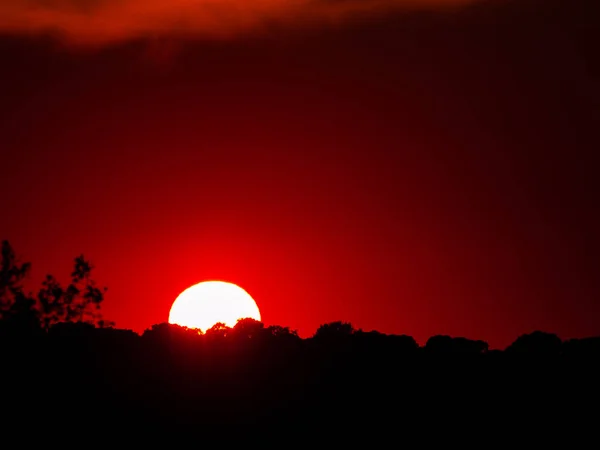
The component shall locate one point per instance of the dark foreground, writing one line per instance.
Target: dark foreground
(351, 389)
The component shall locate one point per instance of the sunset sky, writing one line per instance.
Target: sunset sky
(416, 167)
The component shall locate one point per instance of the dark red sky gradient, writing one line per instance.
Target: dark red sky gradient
(415, 173)
(100, 22)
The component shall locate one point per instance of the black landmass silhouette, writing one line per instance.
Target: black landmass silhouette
(265, 385)
(68, 378)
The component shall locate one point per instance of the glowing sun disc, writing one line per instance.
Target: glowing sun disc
(209, 302)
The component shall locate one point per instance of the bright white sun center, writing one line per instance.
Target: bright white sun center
(205, 304)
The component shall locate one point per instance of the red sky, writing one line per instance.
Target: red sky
(103, 21)
(420, 172)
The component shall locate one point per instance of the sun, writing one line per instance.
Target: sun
(203, 305)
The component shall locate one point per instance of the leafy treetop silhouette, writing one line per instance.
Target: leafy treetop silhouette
(79, 301)
(538, 342)
(443, 344)
(334, 330)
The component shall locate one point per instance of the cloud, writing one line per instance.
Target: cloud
(103, 21)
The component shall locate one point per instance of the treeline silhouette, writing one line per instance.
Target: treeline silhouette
(66, 371)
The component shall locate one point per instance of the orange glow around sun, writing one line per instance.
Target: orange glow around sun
(203, 305)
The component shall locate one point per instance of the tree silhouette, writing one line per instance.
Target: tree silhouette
(17, 309)
(537, 343)
(218, 331)
(12, 275)
(80, 301)
(248, 328)
(443, 344)
(334, 330)
(280, 332)
(168, 332)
